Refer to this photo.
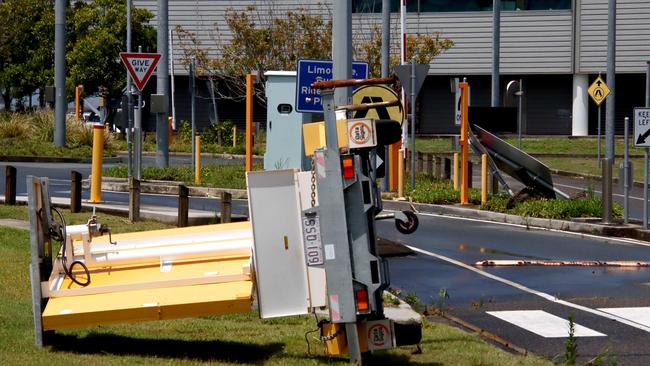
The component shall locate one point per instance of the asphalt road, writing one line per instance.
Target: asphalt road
(481, 295)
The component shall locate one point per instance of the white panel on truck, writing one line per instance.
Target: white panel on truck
(278, 252)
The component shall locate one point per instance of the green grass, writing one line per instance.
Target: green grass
(552, 209)
(590, 166)
(437, 191)
(212, 175)
(534, 145)
(433, 190)
(31, 134)
(223, 340)
(118, 224)
(555, 145)
(181, 146)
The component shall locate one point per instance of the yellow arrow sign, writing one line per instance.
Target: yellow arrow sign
(598, 90)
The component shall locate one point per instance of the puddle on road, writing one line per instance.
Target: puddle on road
(467, 248)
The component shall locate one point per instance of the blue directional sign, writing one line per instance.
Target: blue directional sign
(308, 99)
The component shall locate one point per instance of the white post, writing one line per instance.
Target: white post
(580, 119)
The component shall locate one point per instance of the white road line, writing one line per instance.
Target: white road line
(585, 235)
(532, 291)
(544, 324)
(640, 315)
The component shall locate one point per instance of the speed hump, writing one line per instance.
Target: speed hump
(376, 94)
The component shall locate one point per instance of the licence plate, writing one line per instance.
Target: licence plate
(311, 235)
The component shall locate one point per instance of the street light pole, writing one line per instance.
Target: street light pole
(60, 104)
(162, 81)
(610, 111)
(496, 44)
(129, 95)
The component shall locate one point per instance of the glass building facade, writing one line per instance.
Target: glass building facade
(438, 6)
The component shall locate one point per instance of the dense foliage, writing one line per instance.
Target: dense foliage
(96, 33)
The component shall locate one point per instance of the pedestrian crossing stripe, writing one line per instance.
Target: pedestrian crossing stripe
(640, 315)
(544, 324)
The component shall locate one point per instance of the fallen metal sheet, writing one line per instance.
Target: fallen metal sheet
(519, 165)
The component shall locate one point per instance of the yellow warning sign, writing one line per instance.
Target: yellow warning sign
(598, 90)
(375, 94)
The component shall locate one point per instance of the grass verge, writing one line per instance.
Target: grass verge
(534, 145)
(223, 176)
(32, 134)
(433, 190)
(223, 340)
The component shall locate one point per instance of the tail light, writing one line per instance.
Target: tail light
(361, 297)
(347, 163)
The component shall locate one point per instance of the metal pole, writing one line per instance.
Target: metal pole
(611, 103)
(137, 131)
(385, 38)
(60, 104)
(413, 123)
(520, 114)
(645, 154)
(129, 96)
(171, 68)
(496, 40)
(385, 69)
(162, 81)
(193, 108)
(645, 188)
(607, 191)
(626, 172)
(342, 48)
(599, 136)
(647, 86)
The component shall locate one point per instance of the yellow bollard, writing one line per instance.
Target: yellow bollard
(484, 179)
(197, 160)
(234, 136)
(98, 154)
(400, 173)
(77, 103)
(456, 180)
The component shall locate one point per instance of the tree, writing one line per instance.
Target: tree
(96, 36)
(96, 33)
(260, 41)
(423, 47)
(26, 47)
(263, 39)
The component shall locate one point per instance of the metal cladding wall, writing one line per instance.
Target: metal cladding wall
(206, 19)
(632, 36)
(531, 41)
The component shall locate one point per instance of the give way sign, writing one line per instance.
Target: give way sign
(140, 66)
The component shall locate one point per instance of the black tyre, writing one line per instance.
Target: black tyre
(410, 225)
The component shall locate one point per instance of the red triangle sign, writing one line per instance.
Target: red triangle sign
(140, 66)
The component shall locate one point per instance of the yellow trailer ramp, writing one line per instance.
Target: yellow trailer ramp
(211, 282)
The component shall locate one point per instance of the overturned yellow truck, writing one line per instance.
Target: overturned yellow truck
(310, 245)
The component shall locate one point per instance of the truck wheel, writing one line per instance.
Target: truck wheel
(409, 226)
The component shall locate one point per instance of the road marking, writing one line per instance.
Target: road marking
(544, 324)
(585, 235)
(532, 291)
(640, 315)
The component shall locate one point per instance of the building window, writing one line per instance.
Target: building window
(437, 6)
